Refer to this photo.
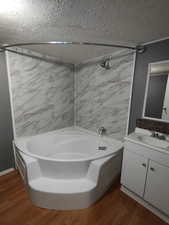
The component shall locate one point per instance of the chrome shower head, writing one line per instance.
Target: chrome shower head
(106, 64)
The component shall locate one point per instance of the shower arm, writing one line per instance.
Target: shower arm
(138, 48)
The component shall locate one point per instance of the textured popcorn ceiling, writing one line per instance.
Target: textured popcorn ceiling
(120, 21)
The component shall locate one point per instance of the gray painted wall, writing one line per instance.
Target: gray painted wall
(155, 52)
(102, 96)
(6, 135)
(42, 93)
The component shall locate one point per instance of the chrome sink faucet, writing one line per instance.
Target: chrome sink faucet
(101, 131)
(157, 135)
(154, 134)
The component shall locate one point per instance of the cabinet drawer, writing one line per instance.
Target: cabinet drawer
(149, 153)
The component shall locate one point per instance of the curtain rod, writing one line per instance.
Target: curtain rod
(138, 48)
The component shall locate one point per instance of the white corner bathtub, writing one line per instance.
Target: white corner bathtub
(65, 169)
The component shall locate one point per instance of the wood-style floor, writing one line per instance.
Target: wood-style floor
(115, 208)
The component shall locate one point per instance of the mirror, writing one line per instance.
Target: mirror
(156, 102)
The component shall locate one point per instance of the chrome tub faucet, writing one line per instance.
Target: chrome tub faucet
(101, 131)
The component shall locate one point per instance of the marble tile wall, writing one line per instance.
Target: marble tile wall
(102, 96)
(45, 94)
(42, 93)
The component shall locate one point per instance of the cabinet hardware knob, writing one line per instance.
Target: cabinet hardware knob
(143, 164)
(152, 169)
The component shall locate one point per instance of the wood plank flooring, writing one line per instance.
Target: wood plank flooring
(115, 208)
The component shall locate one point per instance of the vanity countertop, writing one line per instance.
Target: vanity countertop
(144, 139)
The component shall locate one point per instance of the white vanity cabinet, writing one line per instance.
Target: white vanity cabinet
(144, 173)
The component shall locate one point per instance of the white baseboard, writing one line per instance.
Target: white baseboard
(145, 204)
(6, 171)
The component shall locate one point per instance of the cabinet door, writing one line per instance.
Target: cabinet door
(134, 172)
(157, 186)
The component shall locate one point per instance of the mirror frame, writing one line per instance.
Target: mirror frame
(146, 92)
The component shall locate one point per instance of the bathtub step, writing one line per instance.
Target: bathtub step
(62, 186)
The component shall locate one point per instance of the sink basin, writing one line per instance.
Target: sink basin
(154, 141)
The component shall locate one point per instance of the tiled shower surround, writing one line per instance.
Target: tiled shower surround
(42, 94)
(102, 96)
(48, 96)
